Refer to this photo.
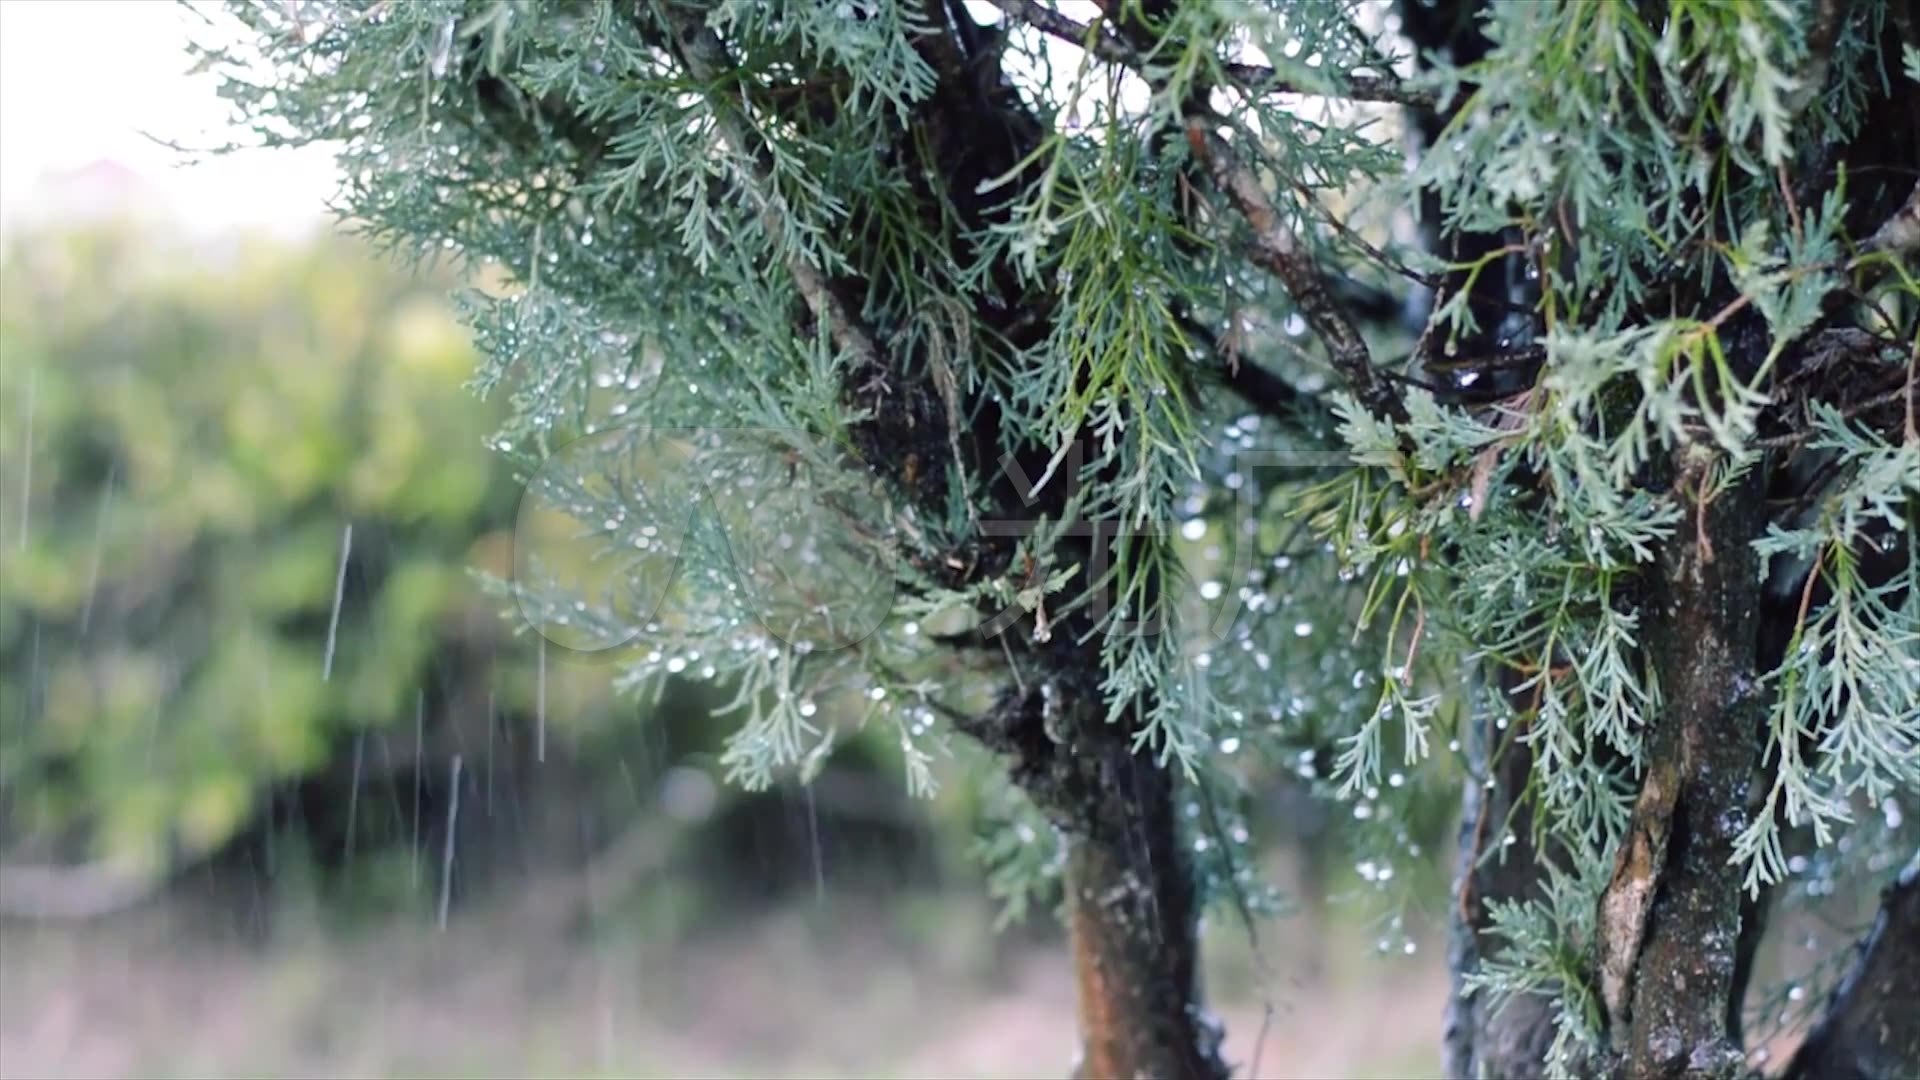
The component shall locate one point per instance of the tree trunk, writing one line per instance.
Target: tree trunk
(1872, 1026)
(1130, 910)
(1482, 1039)
(1670, 917)
(1130, 895)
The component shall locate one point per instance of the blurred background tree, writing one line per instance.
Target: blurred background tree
(200, 660)
(187, 428)
(196, 430)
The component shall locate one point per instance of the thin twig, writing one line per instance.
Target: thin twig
(1413, 646)
(1432, 281)
(1276, 250)
(1905, 389)
(1251, 78)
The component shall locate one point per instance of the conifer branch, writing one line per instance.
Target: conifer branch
(1254, 79)
(1278, 251)
(706, 58)
(1275, 248)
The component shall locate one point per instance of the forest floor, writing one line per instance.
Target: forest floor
(852, 985)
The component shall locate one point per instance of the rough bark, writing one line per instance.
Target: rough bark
(1669, 920)
(1871, 1030)
(1130, 895)
(1134, 937)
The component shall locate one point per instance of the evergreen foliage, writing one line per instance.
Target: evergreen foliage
(935, 312)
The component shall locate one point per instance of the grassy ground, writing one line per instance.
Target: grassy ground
(917, 986)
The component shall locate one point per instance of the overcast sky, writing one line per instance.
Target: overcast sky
(81, 81)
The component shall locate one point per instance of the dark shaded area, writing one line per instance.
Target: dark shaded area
(1872, 1029)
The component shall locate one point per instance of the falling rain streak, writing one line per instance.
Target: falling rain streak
(353, 791)
(419, 771)
(813, 849)
(26, 459)
(446, 849)
(339, 591)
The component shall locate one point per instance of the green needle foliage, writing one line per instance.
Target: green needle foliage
(956, 367)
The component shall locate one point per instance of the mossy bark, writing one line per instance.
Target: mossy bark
(1669, 921)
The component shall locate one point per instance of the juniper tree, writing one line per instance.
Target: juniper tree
(906, 361)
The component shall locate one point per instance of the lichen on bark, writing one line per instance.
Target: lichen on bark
(1669, 920)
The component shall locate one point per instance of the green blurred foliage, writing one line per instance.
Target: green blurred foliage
(188, 430)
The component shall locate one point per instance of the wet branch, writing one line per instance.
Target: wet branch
(1250, 78)
(1278, 251)
(707, 61)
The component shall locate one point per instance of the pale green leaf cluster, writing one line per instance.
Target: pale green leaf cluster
(1846, 712)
